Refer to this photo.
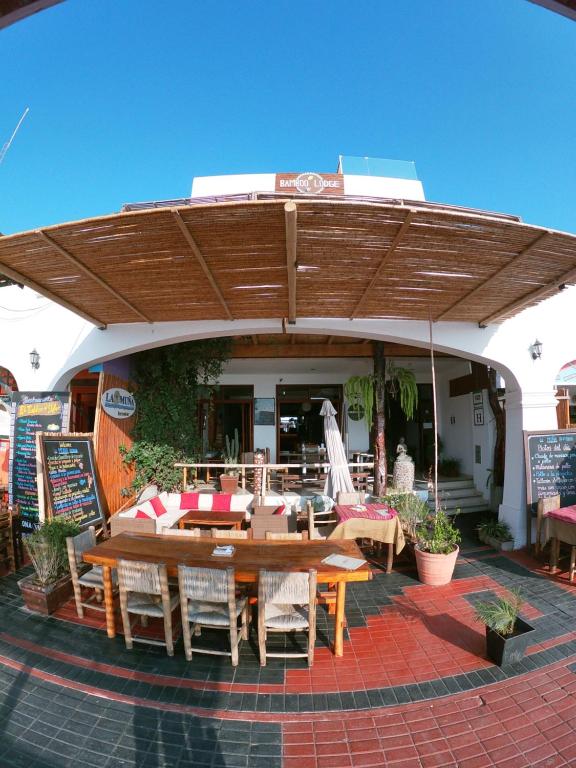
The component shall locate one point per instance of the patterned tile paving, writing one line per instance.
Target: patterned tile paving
(413, 688)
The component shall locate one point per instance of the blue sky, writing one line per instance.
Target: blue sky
(129, 99)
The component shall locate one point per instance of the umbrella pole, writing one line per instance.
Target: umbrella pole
(434, 410)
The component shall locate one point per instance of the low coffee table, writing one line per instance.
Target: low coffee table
(196, 517)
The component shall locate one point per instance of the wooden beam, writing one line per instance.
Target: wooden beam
(255, 340)
(330, 339)
(301, 350)
(389, 253)
(540, 293)
(201, 260)
(290, 216)
(20, 278)
(494, 277)
(88, 272)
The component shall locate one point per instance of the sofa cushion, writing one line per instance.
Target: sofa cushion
(141, 515)
(221, 502)
(158, 506)
(281, 510)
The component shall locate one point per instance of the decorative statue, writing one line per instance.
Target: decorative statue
(403, 477)
(402, 451)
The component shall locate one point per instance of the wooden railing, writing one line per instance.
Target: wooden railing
(266, 470)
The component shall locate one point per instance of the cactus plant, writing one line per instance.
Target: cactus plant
(232, 451)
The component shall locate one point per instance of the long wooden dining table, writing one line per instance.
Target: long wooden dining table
(249, 558)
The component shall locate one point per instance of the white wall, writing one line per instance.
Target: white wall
(371, 186)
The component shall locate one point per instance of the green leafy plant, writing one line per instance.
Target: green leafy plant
(46, 548)
(501, 613)
(399, 382)
(449, 467)
(412, 511)
(154, 465)
(438, 535)
(169, 382)
(495, 529)
(232, 451)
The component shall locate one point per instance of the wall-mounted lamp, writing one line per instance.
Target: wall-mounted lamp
(35, 359)
(536, 350)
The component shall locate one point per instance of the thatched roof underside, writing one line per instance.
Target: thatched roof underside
(278, 259)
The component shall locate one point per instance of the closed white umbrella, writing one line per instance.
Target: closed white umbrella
(338, 478)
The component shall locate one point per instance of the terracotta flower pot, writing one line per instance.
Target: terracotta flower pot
(435, 570)
(229, 483)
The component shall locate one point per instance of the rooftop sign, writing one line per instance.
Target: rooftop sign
(310, 183)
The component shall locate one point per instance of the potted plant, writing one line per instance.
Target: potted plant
(507, 635)
(50, 586)
(437, 549)
(496, 534)
(229, 480)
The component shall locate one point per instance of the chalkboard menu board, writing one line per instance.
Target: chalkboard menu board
(550, 466)
(70, 478)
(31, 413)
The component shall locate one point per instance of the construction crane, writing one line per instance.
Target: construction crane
(6, 146)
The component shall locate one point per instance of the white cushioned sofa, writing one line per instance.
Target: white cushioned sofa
(165, 509)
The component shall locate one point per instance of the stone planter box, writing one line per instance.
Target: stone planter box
(505, 546)
(508, 650)
(45, 599)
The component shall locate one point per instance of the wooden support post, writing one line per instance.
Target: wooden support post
(339, 619)
(109, 601)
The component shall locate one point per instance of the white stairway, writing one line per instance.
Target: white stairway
(460, 494)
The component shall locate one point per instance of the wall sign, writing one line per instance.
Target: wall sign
(310, 183)
(478, 417)
(118, 403)
(31, 413)
(68, 472)
(264, 411)
(550, 458)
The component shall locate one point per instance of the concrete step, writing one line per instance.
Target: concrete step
(468, 510)
(456, 484)
(458, 493)
(464, 501)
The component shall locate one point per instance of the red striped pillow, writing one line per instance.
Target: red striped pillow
(279, 510)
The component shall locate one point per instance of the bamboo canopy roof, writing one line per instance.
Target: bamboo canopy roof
(293, 257)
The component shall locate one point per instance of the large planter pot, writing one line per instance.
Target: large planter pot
(229, 483)
(435, 570)
(508, 650)
(45, 599)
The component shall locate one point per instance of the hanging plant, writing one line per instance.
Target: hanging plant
(399, 382)
(359, 390)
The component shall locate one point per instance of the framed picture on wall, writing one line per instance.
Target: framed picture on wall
(264, 411)
(477, 398)
(478, 417)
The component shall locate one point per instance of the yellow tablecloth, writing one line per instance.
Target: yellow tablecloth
(386, 531)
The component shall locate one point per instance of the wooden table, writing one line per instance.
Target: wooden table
(368, 524)
(560, 526)
(195, 517)
(249, 558)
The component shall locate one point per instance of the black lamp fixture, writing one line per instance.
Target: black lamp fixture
(35, 359)
(536, 350)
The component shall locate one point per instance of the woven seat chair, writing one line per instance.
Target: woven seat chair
(228, 533)
(320, 526)
(356, 497)
(208, 599)
(144, 591)
(271, 536)
(7, 557)
(286, 603)
(85, 576)
(193, 533)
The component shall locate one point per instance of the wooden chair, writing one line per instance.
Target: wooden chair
(271, 536)
(327, 520)
(228, 533)
(290, 482)
(286, 603)
(144, 591)
(208, 599)
(84, 575)
(360, 480)
(354, 497)
(545, 505)
(7, 556)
